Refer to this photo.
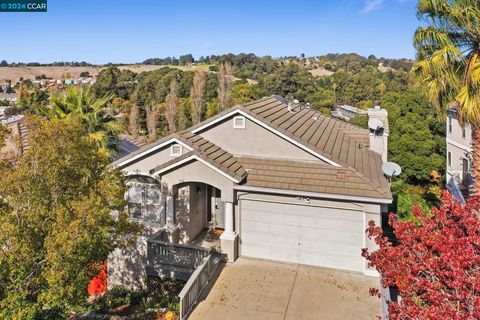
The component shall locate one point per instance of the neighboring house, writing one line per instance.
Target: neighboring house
(2, 111)
(11, 97)
(459, 156)
(279, 183)
(5, 86)
(347, 112)
(17, 141)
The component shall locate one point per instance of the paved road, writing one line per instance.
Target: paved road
(257, 289)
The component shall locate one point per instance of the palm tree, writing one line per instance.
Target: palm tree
(102, 128)
(448, 49)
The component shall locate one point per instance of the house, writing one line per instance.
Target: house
(278, 180)
(5, 86)
(10, 97)
(2, 111)
(17, 141)
(459, 156)
(350, 111)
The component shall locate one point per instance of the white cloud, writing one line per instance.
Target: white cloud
(371, 5)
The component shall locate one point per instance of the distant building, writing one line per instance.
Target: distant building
(11, 97)
(5, 86)
(17, 141)
(459, 157)
(346, 112)
(2, 111)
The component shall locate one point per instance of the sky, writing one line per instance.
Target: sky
(119, 31)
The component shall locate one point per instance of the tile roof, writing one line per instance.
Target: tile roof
(209, 152)
(336, 140)
(308, 176)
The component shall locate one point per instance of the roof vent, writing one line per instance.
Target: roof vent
(341, 175)
(307, 105)
(289, 107)
(295, 101)
(315, 118)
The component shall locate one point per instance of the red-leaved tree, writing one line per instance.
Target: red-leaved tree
(435, 263)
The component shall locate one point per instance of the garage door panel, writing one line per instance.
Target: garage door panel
(310, 235)
(355, 237)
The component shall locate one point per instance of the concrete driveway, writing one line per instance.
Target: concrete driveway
(257, 289)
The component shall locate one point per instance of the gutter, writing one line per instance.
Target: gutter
(312, 194)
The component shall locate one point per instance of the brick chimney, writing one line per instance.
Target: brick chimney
(379, 130)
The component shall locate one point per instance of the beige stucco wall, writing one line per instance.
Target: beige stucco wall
(198, 208)
(253, 141)
(190, 209)
(126, 267)
(151, 160)
(196, 171)
(372, 212)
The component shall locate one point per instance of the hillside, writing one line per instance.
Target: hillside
(15, 73)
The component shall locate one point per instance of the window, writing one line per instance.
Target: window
(449, 124)
(239, 122)
(144, 202)
(176, 150)
(449, 158)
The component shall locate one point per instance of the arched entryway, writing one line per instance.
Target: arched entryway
(197, 208)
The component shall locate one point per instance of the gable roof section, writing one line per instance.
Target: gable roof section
(149, 149)
(338, 143)
(343, 144)
(308, 177)
(208, 153)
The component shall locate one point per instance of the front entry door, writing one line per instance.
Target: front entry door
(219, 210)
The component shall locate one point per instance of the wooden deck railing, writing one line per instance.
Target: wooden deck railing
(197, 264)
(196, 283)
(162, 253)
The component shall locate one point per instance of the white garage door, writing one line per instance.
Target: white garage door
(309, 235)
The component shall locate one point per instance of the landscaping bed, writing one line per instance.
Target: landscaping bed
(158, 301)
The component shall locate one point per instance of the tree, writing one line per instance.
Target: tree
(225, 80)
(448, 52)
(4, 63)
(186, 59)
(197, 96)
(80, 103)
(133, 121)
(172, 104)
(152, 120)
(85, 74)
(245, 92)
(56, 220)
(435, 263)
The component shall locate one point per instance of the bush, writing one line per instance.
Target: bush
(405, 202)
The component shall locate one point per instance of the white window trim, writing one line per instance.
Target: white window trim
(235, 126)
(175, 154)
